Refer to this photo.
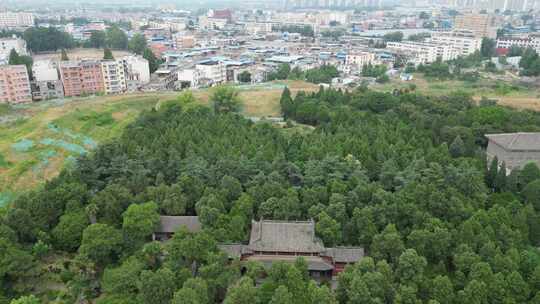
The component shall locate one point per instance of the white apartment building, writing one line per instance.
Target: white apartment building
(212, 72)
(423, 52)
(327, 17)
(136, 70)
(13, 43)
(46, 83)
(356, 60)
(189, 78)
(16, 19)
(114, 78)
(529, 42)
(45, 70)
(208, 23)
(463, 44)
(258, 28)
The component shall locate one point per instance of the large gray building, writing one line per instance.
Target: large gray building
(515, 149)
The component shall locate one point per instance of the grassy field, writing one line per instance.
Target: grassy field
(508, 95)
(37, 140)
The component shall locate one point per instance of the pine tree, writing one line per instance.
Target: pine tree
(14, 58)
(153, 62)
(286, 102)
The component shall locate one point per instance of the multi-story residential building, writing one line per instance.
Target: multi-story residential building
(46, 83)
(189, 78)
(209, 23)
(114, 78)
(463, 42)
(81, 77)
(482, 25)
(13, 43)
(136, 70)
(258, 28)
(183, 41)
(14, 84)
(355, 61)
(423, 52)
(212, 72)
(16, 20)
(529, 42)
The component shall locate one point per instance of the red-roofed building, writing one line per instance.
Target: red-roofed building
(158, 49)
(221, 14)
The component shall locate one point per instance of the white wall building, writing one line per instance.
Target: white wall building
(189, 78)
(258, 28)
(356, 60)
(15, 20)
(136, 70)
(207, 23)
(529, 42)
(45, 70)
(46, 83)
(462, 44)
(423, 52)
(114, 78)
(8, 44)
(214, 73)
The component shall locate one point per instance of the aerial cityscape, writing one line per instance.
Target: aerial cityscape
(270, 152)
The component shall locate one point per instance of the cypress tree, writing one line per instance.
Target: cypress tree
(64, 56)
(499, 183)
(286, 102)
(107, 54)
(492, 171)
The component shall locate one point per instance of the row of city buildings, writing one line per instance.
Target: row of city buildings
(52, 79)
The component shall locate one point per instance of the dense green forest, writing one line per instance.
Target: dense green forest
(403, 176)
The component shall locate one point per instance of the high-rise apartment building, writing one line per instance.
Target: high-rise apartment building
(14, 84)
(16, 20)
(82, 77)
(481, 25)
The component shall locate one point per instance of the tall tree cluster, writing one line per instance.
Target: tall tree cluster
(404, 176)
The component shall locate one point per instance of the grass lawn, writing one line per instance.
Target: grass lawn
(37, 140)
(505, 94)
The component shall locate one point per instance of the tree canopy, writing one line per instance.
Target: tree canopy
(404, 177)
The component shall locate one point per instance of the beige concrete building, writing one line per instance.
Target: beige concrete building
(114, 78)
(482, 25)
